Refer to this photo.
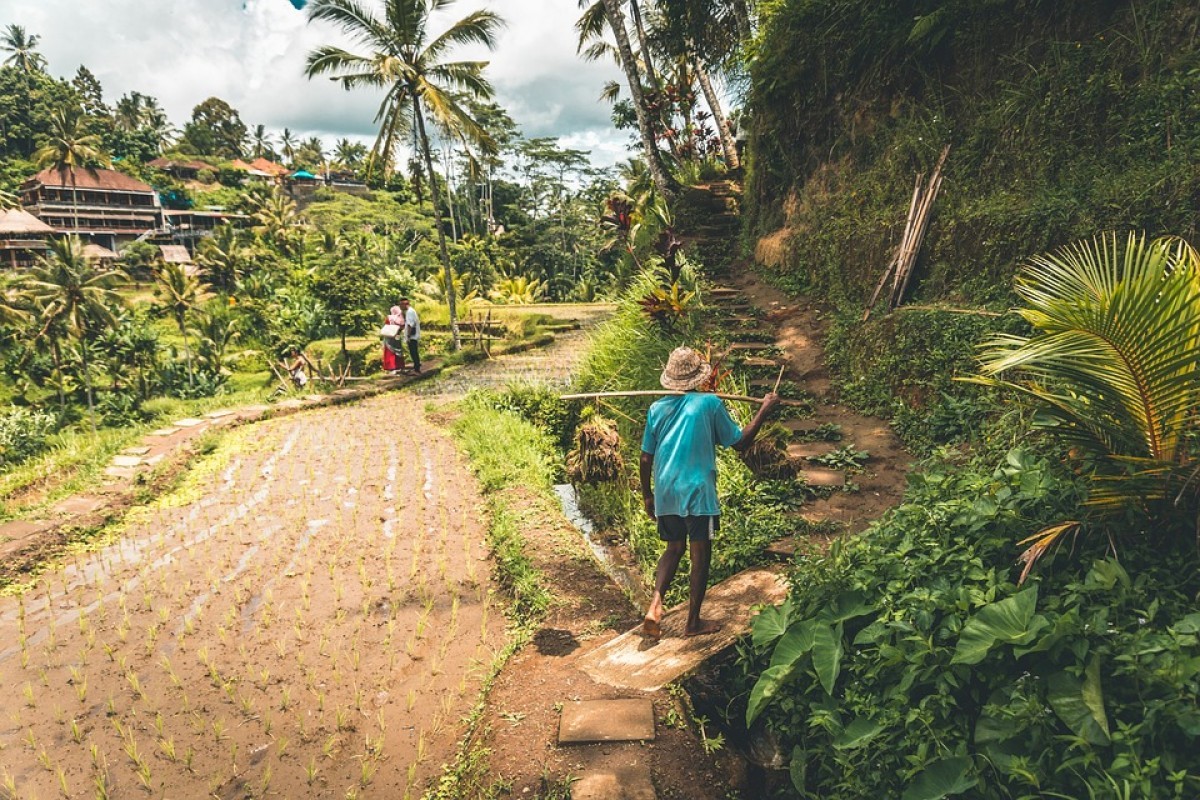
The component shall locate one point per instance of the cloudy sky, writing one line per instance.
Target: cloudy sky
(251, 53)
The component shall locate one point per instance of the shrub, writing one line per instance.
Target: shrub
(23, 433)
(908, 657)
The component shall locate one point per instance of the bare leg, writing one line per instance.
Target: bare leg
(668, 563)
(698, 584)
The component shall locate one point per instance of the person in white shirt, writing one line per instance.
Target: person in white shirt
(412, 333)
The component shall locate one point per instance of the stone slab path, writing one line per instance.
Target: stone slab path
(634, 661)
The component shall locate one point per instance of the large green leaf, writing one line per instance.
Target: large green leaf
(770, 623)
(827, 654)
(1189, 624)
(798, 768)
(848, 605)
(764, 691)
(941, 778)
(1010, 621)
(857, 733)
(1080, 704)
(795, 644)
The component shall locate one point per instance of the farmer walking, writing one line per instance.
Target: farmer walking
(412, 333)
(679, 452)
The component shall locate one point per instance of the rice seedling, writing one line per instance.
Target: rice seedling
(64, 787)
(30, 740)
(281, 745)
(43, 758)
(76, 732)
(410, 700)
(188, 756)
(310, 771)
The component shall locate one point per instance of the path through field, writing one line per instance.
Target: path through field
(308, 617)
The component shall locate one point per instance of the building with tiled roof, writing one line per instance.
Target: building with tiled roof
(23, 237)
(100, 205)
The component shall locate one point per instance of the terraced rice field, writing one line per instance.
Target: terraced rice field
(308, 616)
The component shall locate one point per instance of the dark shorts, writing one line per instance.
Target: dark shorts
(674, 528)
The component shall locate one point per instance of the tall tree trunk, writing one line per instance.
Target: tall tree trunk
(57, 354)
(436, 193)
(647, 57)
(741, 14)
(87, 383)
(187, 350)
(454, 226)
(728, 146)
(663, 181)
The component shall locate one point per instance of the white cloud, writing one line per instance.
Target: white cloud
(251, 53)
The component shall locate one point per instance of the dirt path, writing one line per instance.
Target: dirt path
(309, 616)
(878, 484)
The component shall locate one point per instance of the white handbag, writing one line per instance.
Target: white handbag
(389, 331)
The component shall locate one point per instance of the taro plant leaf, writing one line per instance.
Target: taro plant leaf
(1009, 621)
(1080, 704)
(771, 623)
(857, 734)
(990, 729)
(1189, 624)
(765, 689)
(848, 605)
(798, 768)
(942, 778)
(872, 633)
(827, 654)
(796, 643)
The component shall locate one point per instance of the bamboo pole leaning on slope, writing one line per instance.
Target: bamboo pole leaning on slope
(740, 398)
(905, 270)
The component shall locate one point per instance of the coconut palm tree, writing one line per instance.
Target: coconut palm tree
(409, 64)
(1113, 363)
(180, 292)
(607, 13)
(261, 141)
(19, 45)
(73, 297)
(287, 144)
(69, 148)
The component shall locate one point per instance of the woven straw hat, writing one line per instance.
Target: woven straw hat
(685, 369)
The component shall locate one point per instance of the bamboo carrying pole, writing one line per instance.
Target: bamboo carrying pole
(741, 398)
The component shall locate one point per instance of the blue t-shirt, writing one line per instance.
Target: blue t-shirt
(682, 433)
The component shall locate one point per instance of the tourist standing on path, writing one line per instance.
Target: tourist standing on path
(393, 346)
(412, 333)
(679, 449)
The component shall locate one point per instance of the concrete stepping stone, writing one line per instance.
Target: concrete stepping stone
(822, 477)
(759, 361)
(80, 504)
(803, 450)
(136, 451)
(223, 412)
(120, 472)
(634, 661)
(164, 432)
(606, 721)
(616, 781)
(126, 461)
(189, 422)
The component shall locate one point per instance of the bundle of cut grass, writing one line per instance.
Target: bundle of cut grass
(767, 457)
(597, 455)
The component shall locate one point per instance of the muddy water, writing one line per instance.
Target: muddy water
(614, 558)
